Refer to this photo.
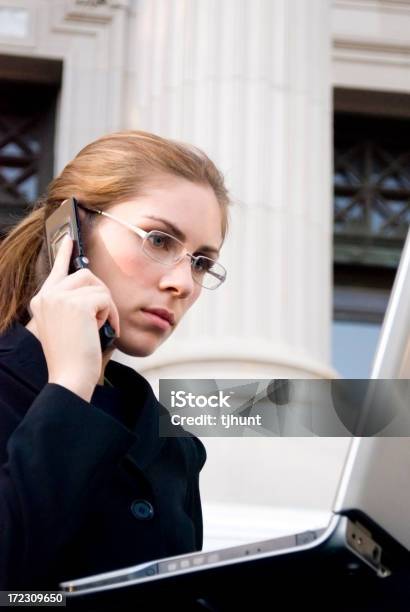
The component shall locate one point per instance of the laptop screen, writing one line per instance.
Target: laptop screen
(392, 358)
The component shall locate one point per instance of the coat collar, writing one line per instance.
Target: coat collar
(22, 354)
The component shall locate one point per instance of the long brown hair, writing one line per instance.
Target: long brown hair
(110, 170)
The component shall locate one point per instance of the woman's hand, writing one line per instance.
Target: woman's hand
(68, 311)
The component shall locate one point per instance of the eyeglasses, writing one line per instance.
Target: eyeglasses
(168, 250)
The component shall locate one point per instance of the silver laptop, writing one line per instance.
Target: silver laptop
(367, 518)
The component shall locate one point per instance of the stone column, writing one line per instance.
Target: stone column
(248, 81)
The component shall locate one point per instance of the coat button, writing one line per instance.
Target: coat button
(142, 509)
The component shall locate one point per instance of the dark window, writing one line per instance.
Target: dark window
(28, 94)
(371, 217)
(371, 189)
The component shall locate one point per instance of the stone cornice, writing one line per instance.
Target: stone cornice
(93, 11)
(109, 3)
(387, 47)
(391, 6)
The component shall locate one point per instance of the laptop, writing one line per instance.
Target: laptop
(369, 521)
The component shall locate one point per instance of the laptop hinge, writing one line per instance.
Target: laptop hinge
(362, 544)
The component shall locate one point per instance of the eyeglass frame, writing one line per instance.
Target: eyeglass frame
(143, 234)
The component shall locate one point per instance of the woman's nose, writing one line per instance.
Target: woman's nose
(179, 277)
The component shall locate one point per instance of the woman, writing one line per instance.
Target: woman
(86, 483)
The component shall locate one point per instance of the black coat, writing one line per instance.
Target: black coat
(87, 487)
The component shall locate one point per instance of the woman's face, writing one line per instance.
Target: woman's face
(137, 282)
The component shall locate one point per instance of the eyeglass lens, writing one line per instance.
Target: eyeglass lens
(167, 250)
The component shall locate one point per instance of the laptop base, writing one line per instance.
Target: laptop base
(329, 574)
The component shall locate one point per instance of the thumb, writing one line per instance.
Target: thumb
(62, 261)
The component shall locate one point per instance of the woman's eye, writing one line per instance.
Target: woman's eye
(158, 241)
(203, 264)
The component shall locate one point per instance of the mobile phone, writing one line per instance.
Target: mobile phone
(66, 220)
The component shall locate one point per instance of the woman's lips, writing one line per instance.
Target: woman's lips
(156, 320)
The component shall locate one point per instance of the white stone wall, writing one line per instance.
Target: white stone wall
(250, 82)
(371, 44)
